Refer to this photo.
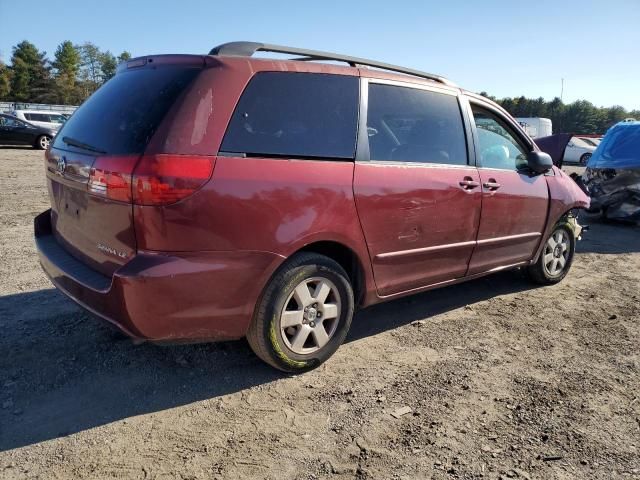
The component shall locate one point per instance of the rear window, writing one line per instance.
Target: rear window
(123, 114)
(295, 115)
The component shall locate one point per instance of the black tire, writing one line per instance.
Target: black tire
(540, 272)
(585, 158)
(42, 142)
(270, 342)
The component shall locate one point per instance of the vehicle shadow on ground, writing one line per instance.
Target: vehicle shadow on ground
(609, 237)
(63, 371)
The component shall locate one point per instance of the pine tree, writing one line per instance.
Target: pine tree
(30, 74)
(67, 65)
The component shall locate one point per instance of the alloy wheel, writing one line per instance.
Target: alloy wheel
(310, 315)
(556, 252)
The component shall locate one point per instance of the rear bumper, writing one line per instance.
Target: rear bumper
(164, 296)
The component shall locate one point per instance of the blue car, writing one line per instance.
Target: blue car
(613, 173)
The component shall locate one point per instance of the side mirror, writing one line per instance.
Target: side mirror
(539, 162)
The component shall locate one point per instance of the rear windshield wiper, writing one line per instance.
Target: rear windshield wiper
(85, 146)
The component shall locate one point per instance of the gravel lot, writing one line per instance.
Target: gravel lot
(502, 379)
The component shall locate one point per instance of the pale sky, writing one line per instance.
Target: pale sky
(507, 48)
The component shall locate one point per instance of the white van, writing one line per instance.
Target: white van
(536, 127)
(42, 118)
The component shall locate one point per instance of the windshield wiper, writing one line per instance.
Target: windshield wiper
(77, 143)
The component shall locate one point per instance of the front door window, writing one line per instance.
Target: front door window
(498, 148)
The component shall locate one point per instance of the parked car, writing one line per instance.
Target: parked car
(209, 197)
(578, 151)
(613, 174)
(42, 118)
(17, 132)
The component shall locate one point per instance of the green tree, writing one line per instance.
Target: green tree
(67, 59)
(90, 74)
(580, 117)
(108, 65)
(5, 81)
(613, 115)
(66, 66)
(555, 111)
(30, 74)
(124, 56)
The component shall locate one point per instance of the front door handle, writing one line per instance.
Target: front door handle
(491, 184)
(468, 183)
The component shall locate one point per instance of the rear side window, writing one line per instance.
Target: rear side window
(295, 115)
(123, 114)
(412, 125)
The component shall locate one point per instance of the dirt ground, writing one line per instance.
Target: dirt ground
(503, 380)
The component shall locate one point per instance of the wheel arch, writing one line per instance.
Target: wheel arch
(564, 196)
(560, 219)
(347, 258)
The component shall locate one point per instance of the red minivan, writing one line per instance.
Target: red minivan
(210, 197)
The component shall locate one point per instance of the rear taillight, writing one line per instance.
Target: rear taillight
(150, 179)
(165, 179)
(110, 177)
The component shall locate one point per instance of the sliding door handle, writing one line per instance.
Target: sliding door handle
(468, 183)
(491, 185)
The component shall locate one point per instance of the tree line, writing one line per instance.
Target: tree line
(74, 73)
(77, 71)
(581, 116)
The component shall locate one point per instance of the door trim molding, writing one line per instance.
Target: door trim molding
(508, 238)
(417, 251)
(450, 246)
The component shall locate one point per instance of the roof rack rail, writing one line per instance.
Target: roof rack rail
(247, 49)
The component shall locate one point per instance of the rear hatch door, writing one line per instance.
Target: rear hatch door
(92, 158)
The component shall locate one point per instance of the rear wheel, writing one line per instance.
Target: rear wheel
(42, 142)
(304, 314)
(556, 257)
(584, 159)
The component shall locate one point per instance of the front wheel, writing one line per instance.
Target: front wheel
(43, 141)
(556, 257)
(304, 314)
